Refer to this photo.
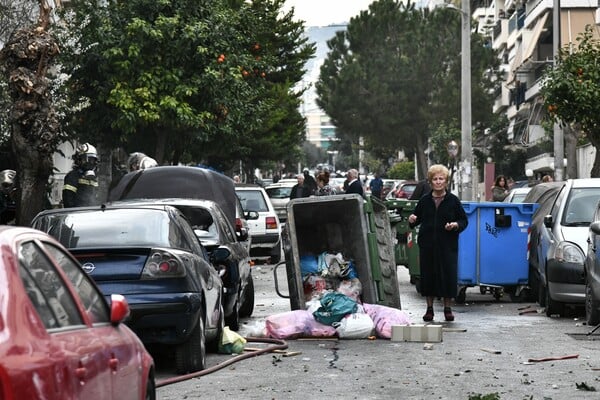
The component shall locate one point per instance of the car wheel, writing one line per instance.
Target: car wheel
(213, 346)
(276, 254)
(247, 307)
(553, 307)
(150, 388)
(534, 284)
(541, 294)
(191, 355)
(233, 320)
(592, 316)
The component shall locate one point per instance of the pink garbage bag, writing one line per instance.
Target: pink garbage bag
(297, 323)
(384, 318)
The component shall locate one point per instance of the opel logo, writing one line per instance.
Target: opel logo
(88, 267)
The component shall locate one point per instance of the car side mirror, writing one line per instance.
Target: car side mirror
(595, 227)
(251, 215)
(119, 309)
(548, 221)
(220, 255)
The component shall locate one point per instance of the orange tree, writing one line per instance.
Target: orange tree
(572, 90)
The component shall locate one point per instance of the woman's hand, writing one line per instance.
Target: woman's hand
(451, 226)
(412, 218)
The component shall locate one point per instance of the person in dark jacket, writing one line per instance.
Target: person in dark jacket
(309, 182)
(376, 186)
(354, 184)
(300, 189)
(441, 218)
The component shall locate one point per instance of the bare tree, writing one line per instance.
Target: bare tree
(33, 122)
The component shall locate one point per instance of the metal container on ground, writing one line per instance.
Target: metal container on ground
(492, 251)
(359, 229)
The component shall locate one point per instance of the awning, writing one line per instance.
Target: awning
(537, 30)
(517, 60)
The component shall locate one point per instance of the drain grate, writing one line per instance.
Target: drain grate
(585, 336)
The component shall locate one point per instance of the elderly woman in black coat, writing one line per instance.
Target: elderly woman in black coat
(441, 218)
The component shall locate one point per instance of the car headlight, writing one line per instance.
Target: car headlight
(569, 252)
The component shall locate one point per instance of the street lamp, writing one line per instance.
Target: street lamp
(466, 155)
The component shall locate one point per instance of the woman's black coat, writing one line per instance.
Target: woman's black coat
(438, 248)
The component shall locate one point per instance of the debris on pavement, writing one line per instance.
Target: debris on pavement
(492, 351)
(534, 360)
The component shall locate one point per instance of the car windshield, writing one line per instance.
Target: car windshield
(252, 200)
(279, 192)
(581, 206)
(122, 228)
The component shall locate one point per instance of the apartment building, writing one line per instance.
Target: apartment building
(523, 34)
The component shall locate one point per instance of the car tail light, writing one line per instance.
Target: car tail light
(238, 224)
(271, 223)
(163, 264)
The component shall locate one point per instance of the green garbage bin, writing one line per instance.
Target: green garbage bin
(406, 248)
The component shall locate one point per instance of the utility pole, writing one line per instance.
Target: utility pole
(559, 143)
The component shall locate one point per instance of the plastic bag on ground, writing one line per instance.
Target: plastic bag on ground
(355, 326)
(334, 306)
(231, 342)
(295, 324)
(385, 317)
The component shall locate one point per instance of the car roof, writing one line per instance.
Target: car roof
(180, 182)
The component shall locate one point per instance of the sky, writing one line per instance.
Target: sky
(326, 12)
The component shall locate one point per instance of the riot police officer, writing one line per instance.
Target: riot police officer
(81, 184)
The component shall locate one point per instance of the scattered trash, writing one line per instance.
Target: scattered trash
(492, 351)
(534, 360)
(584, 386)
(428, 346)
(454, 329)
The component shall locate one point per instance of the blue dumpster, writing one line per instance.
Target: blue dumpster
(492, 250)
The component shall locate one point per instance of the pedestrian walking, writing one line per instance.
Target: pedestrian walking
(323, 187)
(300, 189)
(376, 186)
(441, 218)
(354, 184)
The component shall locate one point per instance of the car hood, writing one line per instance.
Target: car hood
(577, 235)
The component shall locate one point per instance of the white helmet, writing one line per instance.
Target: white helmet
(148, 162)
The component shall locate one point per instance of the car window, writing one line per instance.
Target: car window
(90, 296)
(124, 227)
(252, 200)
(580, 207)
(226, 227)
(279, 192)
(47, 291)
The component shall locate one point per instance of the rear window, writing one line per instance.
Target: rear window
(279, 192)
(252, 200)
(114, 228)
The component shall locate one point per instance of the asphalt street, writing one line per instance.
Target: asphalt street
(493, 350)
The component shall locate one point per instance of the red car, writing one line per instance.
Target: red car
(59, 339)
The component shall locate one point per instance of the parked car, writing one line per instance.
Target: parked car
(186, 183)
(405, 189)
(215, 232)
(265, 230)
(279, 193)
(517, 195)
(59, 338)
(562, 226)
(592, 271)
(388, 186)
(153, 258)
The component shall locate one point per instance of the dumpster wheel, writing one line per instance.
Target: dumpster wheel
(462, 295)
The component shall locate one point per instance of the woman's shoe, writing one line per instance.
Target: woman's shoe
(448, 314)
(428, 315)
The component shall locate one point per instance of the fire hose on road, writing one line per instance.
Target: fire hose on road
(277, 344)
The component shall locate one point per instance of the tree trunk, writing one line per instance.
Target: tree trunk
(421, 159)
(35, 134)
(34, 170)
(571, 134)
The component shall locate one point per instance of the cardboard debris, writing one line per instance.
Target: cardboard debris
(416, 333)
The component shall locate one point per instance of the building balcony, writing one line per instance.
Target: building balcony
(500, 33)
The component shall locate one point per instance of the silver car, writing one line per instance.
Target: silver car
(561, 245)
